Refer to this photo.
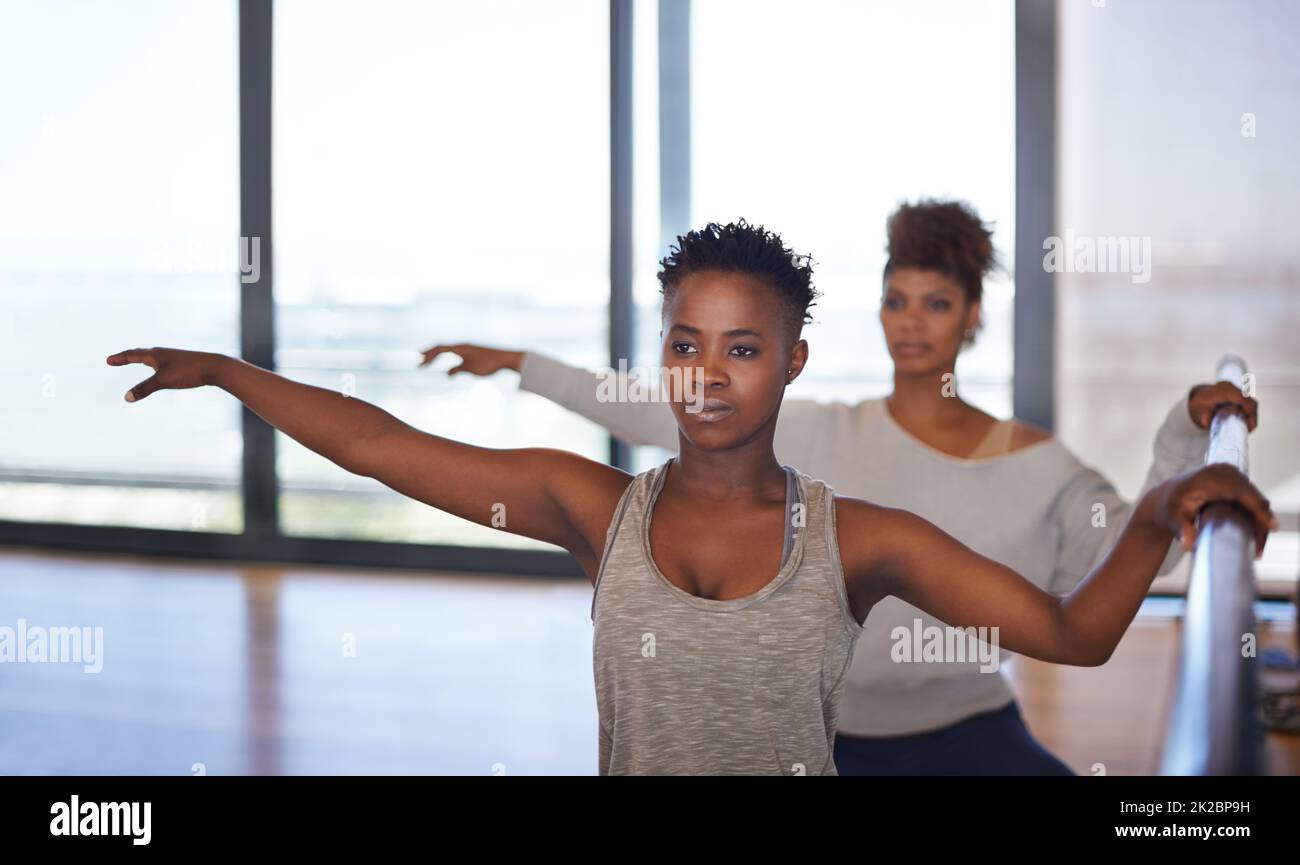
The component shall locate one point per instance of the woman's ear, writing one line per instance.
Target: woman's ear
(798, 358)
(974, 315)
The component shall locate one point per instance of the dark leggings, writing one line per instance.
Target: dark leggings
(992, 743)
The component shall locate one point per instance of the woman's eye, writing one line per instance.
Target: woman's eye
(891, 303)
(941, 305)
(683, 347)
(746, 351)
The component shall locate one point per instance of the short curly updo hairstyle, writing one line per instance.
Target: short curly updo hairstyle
(946, 236)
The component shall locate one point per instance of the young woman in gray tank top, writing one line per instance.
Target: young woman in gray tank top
(720, 648)
(1006, 489)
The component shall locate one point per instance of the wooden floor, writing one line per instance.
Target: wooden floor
(1110, 720)
(230, 669)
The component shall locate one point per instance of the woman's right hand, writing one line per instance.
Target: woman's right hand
(476, 359)
(174, 369)
(1179, 500)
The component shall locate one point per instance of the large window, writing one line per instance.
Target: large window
(816, 119)
(441, 174)
(119, 227)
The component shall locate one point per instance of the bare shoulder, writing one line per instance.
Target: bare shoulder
(584, 484)
(871, 535)
(876, 546)
(588, 491)
(853, 515)
(589, 470)
(1025, 434)
(859, 523)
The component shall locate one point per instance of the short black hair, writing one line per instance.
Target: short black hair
(739, 247)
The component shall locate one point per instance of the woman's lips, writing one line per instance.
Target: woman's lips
(910, 349)
(713, 411)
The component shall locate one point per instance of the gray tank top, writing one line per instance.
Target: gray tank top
(689, 685)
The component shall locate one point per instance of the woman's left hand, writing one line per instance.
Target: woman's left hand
(1205, 399)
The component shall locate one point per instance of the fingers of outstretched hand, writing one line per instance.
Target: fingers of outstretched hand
(145, 356)
(431, 354)
(134, 355)
(143, 389)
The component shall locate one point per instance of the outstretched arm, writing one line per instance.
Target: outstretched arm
(892, 552)
(550, 495)
(799, 429)
(636, 422)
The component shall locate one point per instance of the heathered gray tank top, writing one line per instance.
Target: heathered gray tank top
(689, 685)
